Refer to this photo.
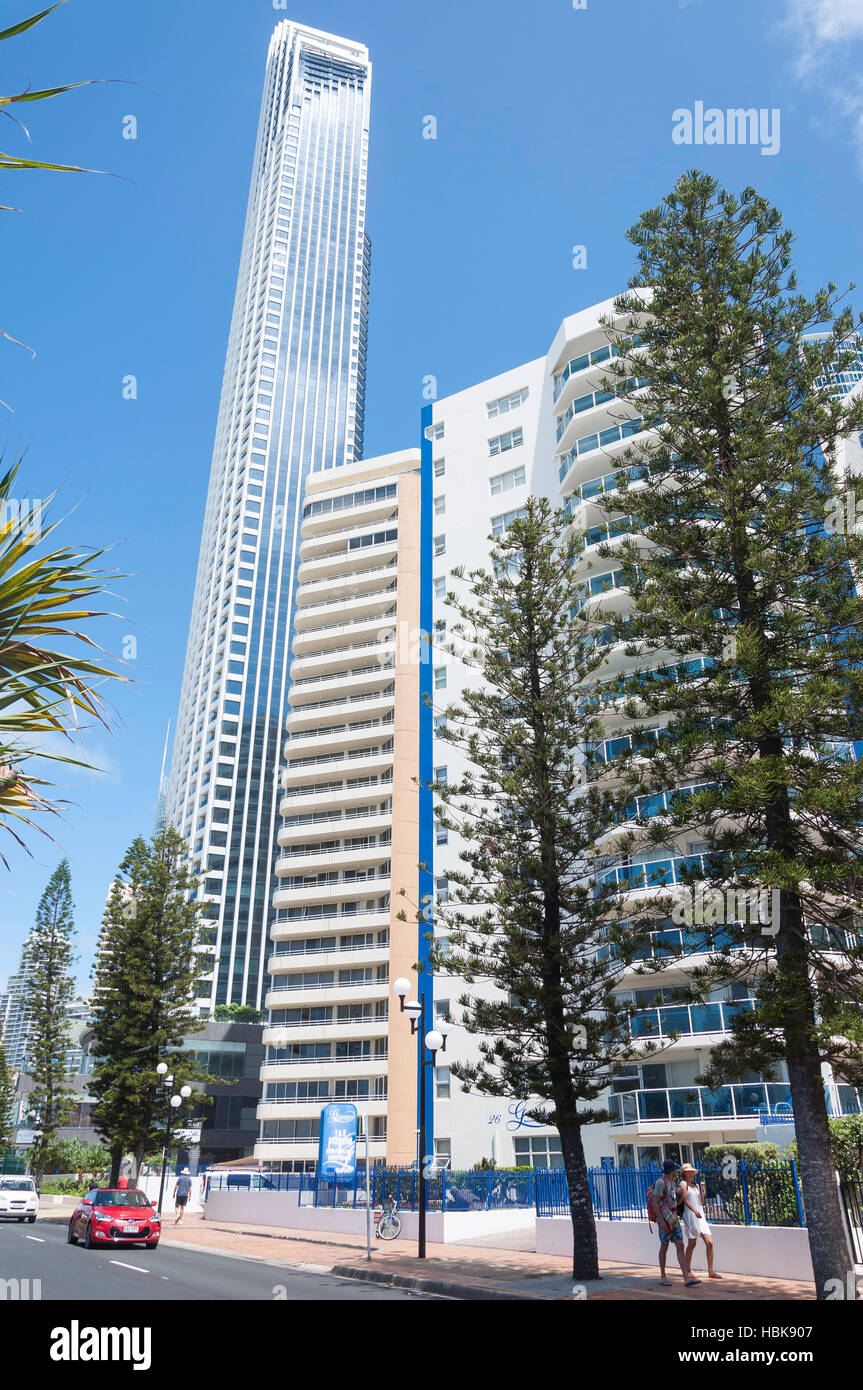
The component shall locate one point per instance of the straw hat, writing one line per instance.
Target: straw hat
(687, 1168)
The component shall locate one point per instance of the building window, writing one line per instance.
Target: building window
(440, 775)
(440, 505)
(441, 888)
(440, 545)
(440, 678)
(502, 443)
(440, 586)
(505, 482)
(435, 432)
(441, 836)
(539, 1151)
(504, 404)
(439, 467)
(439, 724)
(502, 523)
(442, 1083)
(443, 1151)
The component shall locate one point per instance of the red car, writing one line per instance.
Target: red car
(113, 1216)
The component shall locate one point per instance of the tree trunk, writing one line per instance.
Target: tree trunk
(828, 1246)
(585, 1253)
(116, 1160)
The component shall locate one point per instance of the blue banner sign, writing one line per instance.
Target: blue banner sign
(337, 1152)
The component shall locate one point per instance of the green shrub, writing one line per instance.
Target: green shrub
(63, 1187)
(715, 1154)
(846, 1142)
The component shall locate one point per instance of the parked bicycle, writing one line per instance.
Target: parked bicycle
(389, 1225)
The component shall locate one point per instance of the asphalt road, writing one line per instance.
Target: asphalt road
(166, 1274)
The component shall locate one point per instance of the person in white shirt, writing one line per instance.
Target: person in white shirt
(691, 1194)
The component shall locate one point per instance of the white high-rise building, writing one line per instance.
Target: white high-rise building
(547, 429)
(292, 406)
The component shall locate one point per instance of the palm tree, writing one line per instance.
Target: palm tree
(8, 161)
(44, 598)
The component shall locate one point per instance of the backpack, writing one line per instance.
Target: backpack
(651, 1209)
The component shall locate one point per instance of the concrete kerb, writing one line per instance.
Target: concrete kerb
(441, 1288)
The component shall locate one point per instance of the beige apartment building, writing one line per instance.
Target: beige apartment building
(349, 837)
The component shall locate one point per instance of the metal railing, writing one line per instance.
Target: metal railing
(445, 1191)
(739, 1194)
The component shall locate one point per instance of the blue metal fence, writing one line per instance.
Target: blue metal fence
(743, 1194)
(445, 1191)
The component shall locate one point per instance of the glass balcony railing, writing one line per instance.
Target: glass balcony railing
(601, 440)
(607, 482)
(686, 1019)
(765, 1099)
(595, 398)
(660, 873)
(740, 1102)
(589, 359)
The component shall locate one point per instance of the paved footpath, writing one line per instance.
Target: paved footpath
(470, 1272)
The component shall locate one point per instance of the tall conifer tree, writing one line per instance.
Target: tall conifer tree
(144, 991)
(748, 629)
(47, 962)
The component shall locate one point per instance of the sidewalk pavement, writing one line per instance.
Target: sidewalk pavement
(470, 1272)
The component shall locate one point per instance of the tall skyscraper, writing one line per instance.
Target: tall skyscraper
(292, 404)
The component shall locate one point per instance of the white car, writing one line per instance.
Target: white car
(18, 1198)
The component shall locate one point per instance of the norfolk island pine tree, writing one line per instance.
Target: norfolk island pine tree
(730, 559)
(526, 914)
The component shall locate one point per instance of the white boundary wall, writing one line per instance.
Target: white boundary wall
(282, 1210)
(776, 1252)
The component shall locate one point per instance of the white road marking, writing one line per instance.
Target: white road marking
(39, 1239)
(137, 1268)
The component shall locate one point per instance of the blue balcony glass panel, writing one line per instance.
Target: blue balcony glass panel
(653, 1105)
(684, 1103)
(717, 1104)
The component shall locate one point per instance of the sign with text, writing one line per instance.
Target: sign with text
(337, 1152)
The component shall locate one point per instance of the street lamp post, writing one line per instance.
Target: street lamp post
(433, 1042)
(174, 1105)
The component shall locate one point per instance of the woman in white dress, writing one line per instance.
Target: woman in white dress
(691, 1194)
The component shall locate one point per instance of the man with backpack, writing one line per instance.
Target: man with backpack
(662, 1207)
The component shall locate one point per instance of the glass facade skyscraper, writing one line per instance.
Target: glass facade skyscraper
(292, 403)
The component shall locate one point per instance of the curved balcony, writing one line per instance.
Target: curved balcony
(325, 894)
(371, 579)
(361, 680)
(371, 919)
(280, 1034)
(581, 408)
(321, 638)
(745, 1102)
(356, 763)
(580, 369)
(332, 737)
(603, 441)
(356, 820)
(321, 543)
(278, 998)
(340, 660)
(330, 954)
(353, 792)
(370, 604)
(311, 1107)
(322, 513)
(324, 1068)
(352, 558)
(373, 704)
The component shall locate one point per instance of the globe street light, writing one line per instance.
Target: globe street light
(432, 1041)
(173, 1106)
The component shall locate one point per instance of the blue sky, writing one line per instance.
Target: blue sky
(554, 129)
